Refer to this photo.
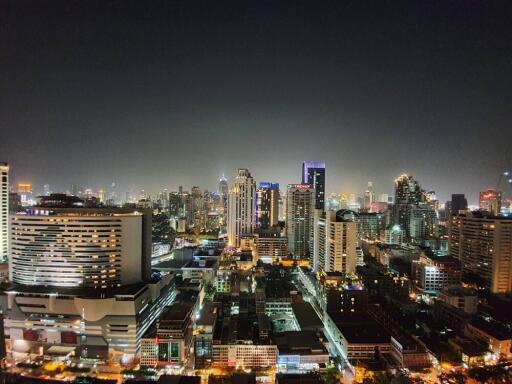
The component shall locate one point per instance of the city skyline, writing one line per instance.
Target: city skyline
(191, 92)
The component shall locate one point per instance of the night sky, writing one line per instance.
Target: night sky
(155, 94)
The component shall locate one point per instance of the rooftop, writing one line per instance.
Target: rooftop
(306, 315)
(176, 312)
(299, 342)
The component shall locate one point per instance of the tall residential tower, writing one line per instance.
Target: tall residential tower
(241, 207)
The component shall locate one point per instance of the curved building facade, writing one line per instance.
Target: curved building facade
(87, 248)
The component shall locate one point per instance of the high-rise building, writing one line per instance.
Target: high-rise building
(423, 223)
(483, 244)
(313, 173)
(82, 277)
(458, 203)
(490, 201)
(46, 190)
(241, 207)
(4, 212)
(370, 225)
(79, 247)
(223, 188)
(369, 197)
(335, 242)
(267, 204)
(407, 196)
(300, 202)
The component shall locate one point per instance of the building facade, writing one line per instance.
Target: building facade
(300, 201)
(313, 173)
(79, 247)
(335, 242)
(241, 207)
(267, 204)
(4, 212)
(483, 244)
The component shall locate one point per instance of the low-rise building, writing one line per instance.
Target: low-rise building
(300, 350)
(169, 340)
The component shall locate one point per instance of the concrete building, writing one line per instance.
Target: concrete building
(335, 242)
(464, 299)
(370, 225)
(271, 247)
(300, 200)
(432, 273)
(4, 212)
(79, 247)
(313, 173)
(169, 339)
(93, 323)
(483, 244)
(241, 207)
(81, 280)
(267, 204)
(423, 224)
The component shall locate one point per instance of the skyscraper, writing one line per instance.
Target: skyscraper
(267, 204)
(223, 188)
(241, 207)
(490, 201)
(407, 196)
(313, 173)
(4, 211)
(300, 201)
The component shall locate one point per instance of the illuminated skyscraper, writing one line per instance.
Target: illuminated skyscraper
(4, 211)
(267, 204)
(313, 173)
(300, 201)
(223, 188)
(490, 201)
(407, 196)
(241, 207)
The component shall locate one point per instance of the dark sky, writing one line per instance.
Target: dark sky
(155, 94)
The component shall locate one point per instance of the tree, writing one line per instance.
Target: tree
(331, 375)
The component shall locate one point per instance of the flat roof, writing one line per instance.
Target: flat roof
(176, 312)
(306, 315)
(299, 342)
(126, 290)
(208, 315)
